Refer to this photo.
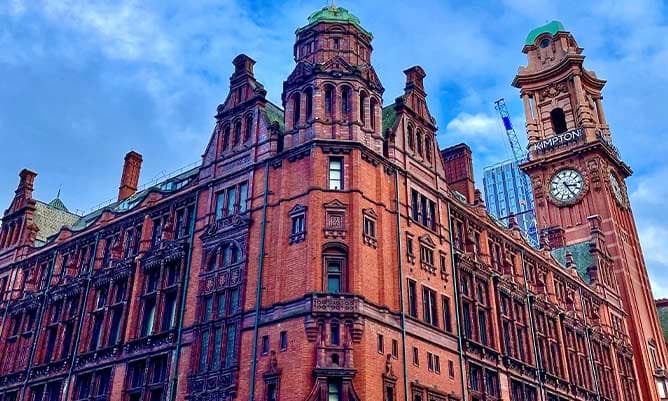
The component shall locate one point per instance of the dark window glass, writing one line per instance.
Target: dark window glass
(412, 301)
(336, 173)
(558, 121)
(334, 272)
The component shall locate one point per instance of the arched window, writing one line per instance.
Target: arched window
(226, 136)
(363, 97)
(335, 263)
(309, 103)
(345, 102)
(418, 142)
(249, 128)
(237, 132)
(329, 100)
(427, 148)
(296, 108)
(558, 121)
(372, 112)
(411, 138)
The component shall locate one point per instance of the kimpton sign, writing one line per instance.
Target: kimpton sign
(559, 140)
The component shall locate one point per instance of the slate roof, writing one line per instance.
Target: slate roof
(274, 114)
(662, 310)
(389, 117)
(169, 185)
(581, 257)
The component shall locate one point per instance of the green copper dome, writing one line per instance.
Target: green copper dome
(334, 14)
(551, 27)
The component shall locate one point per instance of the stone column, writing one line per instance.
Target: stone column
(532, 128)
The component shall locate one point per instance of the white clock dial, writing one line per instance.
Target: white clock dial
(617, 189)
(566, 185)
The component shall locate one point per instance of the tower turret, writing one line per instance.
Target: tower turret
(333, 92)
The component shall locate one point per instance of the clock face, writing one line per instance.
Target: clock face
(617, 189)
(566, 185)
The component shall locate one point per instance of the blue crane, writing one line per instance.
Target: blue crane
(520, 155)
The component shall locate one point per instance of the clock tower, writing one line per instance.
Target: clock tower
(576, 172)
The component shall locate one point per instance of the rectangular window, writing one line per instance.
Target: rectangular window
(217, 345)
(220, 205)
(429, 306)
(169, 312)
(204, 352)
(334, 275)
(265, 345)
(243, 197)
(447, 319)
(437, 364)
(427, 255)
(412, 301)
(284, 340)
(416, 357)
(381, 344)
(115, 327)
(271, 392)
(148, 317)
(231, 200)
(336, 173)
(395, 349)
(451, 369)
(298, 224)
(415, 206)
(430, 361)
(230, 349)
(369, 227)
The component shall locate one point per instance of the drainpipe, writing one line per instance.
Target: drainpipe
(401, 284)
(82, 314)
(455, 284)
(258, 290)
(176, 356)
(39, 326)
(537, 359)
(592, 365)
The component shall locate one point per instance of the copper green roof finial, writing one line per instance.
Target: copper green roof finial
(334, 14)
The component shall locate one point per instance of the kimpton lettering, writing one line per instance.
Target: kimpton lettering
(559, 140)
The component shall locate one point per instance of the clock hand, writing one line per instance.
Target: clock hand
(569, 188)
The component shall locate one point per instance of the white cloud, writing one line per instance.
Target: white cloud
(653, 239)
(124, 30)
(474, 125)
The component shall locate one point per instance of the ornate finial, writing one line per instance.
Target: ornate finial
(569, 260)
(58, 194)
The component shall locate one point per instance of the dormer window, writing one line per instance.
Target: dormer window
(544, 43)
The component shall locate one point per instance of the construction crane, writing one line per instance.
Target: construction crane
(519, 156)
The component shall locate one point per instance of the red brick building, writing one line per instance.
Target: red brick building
(329, 250)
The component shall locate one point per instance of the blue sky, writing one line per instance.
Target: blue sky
(83, 82)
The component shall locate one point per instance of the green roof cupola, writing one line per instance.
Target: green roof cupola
(334, 14)
(551, 27)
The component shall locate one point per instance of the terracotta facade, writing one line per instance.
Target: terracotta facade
(329, 250)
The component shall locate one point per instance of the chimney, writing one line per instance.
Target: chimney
(130, 177)
(26, 182)
(414, 78)
(243, 65)
(458, 164)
